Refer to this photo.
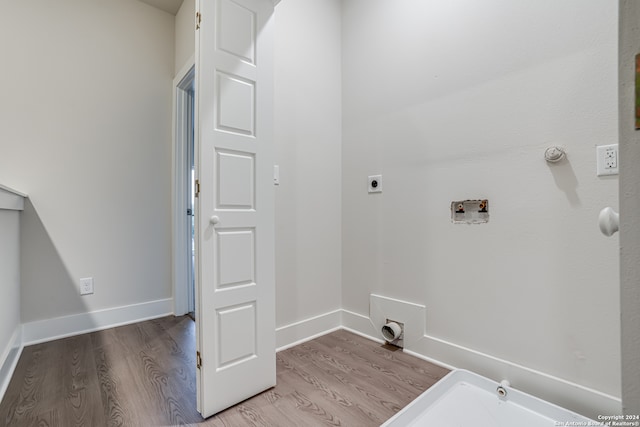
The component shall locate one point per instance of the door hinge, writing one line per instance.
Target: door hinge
(198, 360)
(197, 188)
(198, 20)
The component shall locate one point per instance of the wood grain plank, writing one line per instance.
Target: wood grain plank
(114, 403)
(171, 372)
(77, 376)
(359, 404)
(48, 419)
(144, 375)
(21, 395)
(25, 398)
(361, 376)
(399, 358)
(353, 348)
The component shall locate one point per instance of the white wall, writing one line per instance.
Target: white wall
(86, 128)
(9, 281)
(185, 41)
(9, 276)
(629, 206)
(308, 151)
(458, 100)
(11, 203)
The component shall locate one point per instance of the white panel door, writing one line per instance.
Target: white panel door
(236, 290)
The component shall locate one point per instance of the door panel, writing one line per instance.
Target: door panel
(236, 180)
(236, 104)
(236, 290)
(236, 258)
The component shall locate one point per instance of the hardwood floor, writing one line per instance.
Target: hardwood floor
(144, 375)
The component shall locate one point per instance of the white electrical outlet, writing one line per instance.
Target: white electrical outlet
(86, 286)
(607, 159)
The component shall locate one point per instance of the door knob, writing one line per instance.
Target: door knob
(609, 221)
(214, 220)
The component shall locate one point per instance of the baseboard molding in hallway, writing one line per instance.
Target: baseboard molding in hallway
(76, 324)
(10, 360)
(307, 329)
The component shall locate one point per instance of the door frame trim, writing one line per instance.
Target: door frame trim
(179, 233)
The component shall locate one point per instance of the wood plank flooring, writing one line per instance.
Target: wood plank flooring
(144, 375)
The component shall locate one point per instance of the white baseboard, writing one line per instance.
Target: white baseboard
(296, 333)
(10, 360)
(76, 324)
(575, 397)
(359, 324)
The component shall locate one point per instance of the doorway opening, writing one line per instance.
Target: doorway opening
(190, 166)
(183, 193)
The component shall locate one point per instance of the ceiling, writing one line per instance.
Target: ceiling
(172, 6)
(169, 6)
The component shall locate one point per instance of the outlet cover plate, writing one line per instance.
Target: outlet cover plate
(607, 159)
(86, 286)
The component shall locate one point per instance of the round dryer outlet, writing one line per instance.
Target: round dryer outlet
(375, 183)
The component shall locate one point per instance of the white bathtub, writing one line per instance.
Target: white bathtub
(465, 399)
